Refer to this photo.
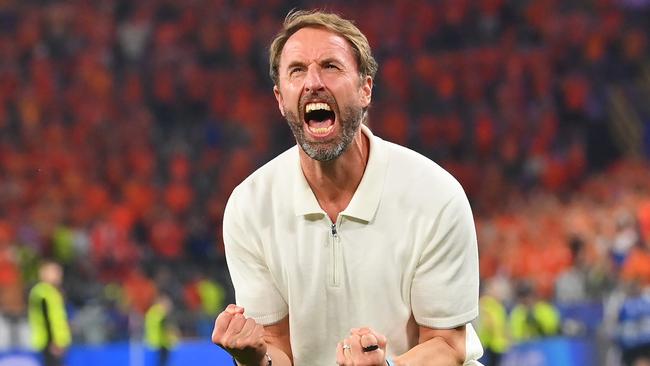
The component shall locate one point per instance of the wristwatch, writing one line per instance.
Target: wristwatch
(268, 359)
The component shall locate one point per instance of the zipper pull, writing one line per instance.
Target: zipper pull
(334, 232)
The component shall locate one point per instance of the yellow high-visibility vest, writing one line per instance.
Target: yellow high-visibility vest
(539, 321)
(47, 317)
(156, 332)
(212, 296)
(493, 325)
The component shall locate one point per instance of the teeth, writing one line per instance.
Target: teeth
(317, 106)
(321, 130)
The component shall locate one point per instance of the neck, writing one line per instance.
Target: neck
(334, 182)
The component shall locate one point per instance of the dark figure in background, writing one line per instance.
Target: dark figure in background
(633, 333)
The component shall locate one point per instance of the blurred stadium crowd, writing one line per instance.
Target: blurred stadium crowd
(124, 126)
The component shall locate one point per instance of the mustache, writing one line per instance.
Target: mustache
(316, 96)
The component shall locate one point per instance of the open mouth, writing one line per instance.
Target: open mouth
(319, 118)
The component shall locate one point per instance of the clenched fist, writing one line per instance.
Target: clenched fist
(364, 347)
(242, 337)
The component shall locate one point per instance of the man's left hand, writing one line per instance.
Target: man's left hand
(364, 347)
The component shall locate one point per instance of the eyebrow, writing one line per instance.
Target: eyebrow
(295, 64)
(331, 60)
(320, 63)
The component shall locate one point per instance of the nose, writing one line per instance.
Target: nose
(313, 81)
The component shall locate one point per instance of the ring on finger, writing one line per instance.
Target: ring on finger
(370, 348)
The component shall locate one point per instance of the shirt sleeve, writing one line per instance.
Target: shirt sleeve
(255, 289)
(444, 292)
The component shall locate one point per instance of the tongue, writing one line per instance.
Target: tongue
(320, 124)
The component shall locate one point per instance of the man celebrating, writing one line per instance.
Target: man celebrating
(345, 248)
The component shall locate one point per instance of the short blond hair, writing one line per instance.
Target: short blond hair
(298, 19)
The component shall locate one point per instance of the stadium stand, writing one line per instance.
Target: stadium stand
(125, 125)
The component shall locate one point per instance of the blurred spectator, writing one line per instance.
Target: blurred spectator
(636, 267)
(205, 298)
(492, 326)
(627, 236)
(139, 291)
(572, 285)
(531, 317)
(47, 315)
(90, 324)
(160, 334)
(12, 302)
(633, 333)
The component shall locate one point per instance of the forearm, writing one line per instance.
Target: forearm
(278, 356)
(435, 352)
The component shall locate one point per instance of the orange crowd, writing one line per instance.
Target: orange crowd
(125, 125)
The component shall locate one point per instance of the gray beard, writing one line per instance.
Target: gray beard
(350, 120)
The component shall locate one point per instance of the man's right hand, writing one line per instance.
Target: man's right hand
(242, 337)
(364, 347)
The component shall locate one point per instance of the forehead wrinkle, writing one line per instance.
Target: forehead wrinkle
(302, 47)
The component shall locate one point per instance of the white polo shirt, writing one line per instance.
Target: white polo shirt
(402, 253)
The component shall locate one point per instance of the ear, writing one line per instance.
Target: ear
(278, 97)
(365, 91)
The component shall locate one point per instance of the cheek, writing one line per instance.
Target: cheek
(292, 119)
(291, 97)
(349, 91)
